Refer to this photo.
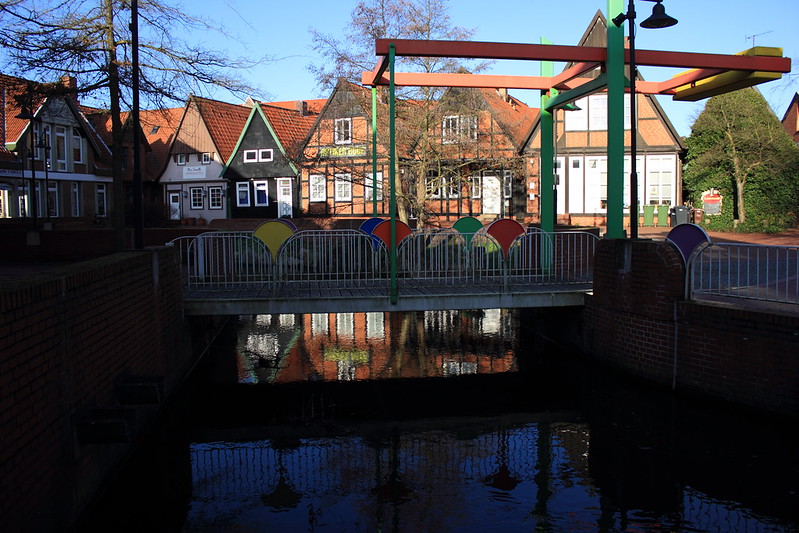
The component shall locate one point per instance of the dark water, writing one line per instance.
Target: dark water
(445, 421)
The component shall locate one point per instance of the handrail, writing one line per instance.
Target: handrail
(745, 271)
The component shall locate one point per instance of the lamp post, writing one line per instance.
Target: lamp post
(44, 144)
(27, 114)
(658, 19)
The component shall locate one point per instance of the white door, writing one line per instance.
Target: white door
(174, 206)
(284, 198)
(492, 194)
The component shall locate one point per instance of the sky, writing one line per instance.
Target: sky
(280, 29)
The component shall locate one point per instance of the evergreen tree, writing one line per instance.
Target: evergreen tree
(738, 146)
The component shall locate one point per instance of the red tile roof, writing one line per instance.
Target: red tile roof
(512, 114)
(159, 127)
(224, 121)
(291, 126)
(13, 91)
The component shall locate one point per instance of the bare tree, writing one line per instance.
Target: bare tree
(92, 41)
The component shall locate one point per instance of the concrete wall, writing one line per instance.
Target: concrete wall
(88, 353)
(638, 321)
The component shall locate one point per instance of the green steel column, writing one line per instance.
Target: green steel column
(374, 151)
(392, 172)
(546, 193)
(615, 168)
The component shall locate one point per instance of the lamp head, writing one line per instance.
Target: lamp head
(659, 18)
(619, 19)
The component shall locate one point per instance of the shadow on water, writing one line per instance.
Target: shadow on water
(447, 424)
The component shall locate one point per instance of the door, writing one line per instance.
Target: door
(492, 194)
(284, 198)
(174, 206)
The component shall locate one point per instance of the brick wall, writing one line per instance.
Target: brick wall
(68, 340)
(637, 320)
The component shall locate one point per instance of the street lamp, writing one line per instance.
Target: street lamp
(44, 144)
(27, 114)
(658, 19)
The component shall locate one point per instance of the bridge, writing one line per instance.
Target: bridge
(236, 273)
(232, 273)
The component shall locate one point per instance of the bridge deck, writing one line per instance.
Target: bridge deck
(343, 297)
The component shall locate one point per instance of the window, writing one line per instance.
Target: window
(196, 194)
(52, 199)
(660, 179)
(319, 324)
(374, 326)
(265, 155)
(261, 193)
(345, 324)
(181, 159)
(75, 194)
(242, 194)
(77, 147)
(343, 188)
(250, 156)
(476, 186)
(369, 187)
(442, 187)
(61, 148)
(154, 130)
(100, 204)
(507, 184)
(318, 186)
(43, 142)
(458, 129)
(214, 197)
(598, 112)
(433, 184)
(206, 158)
(577, 120)
(342, 131)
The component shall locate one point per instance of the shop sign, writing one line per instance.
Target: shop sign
(711, 202)
(194, 172)
(342, 151)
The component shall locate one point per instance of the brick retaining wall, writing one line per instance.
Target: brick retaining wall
(71, 340)
(638, 320)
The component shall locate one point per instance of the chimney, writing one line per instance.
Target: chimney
(503, 93)
(70, 84)
(301, 106)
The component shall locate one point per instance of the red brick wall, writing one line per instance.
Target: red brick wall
(66, 338)
(638, 320)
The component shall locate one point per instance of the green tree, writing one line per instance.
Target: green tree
(738, 145)
(91, 39)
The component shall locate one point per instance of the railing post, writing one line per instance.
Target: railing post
(392, 161)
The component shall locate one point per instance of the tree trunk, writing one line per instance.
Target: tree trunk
(118, 185)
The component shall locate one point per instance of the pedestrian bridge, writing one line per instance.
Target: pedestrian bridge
(328, 271)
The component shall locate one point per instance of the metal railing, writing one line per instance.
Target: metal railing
(339, 258)
(749, 271)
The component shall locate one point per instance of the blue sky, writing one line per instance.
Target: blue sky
(280, 29)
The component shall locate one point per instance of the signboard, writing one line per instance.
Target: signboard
(342, 151)
(9, 173)
(194, 173)
(711, 202)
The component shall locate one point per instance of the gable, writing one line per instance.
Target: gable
(258, 153)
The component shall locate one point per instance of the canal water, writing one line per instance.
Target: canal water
(443, 421)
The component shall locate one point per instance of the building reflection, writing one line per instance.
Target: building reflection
(367, 346)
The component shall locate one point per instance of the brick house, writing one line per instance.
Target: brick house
(790, 120)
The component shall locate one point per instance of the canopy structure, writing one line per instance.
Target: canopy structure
(709, 75)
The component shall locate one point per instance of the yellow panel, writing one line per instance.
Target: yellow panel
(732, 80)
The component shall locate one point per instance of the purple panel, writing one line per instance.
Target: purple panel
(686, 237)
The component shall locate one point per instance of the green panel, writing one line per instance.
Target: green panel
(615, 72)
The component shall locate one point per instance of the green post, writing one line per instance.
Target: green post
(374, 151)
(392, 173)
(546, 193)
(615, 168)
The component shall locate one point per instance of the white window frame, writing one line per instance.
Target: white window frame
(61, 148)
(215, 198)
(75, 195)
(433, 185)
(261, 186)
(577, 120)
(660, 179)
(449, 129)
(598, 112)
(196, 198)
(375, 325)
(343, 188)
(507, 184)
(368, 187)
(477, 186)
(181, 159)
(101, 200)
(342, 131)
(317, 188)
(345, 324)
(319, 324)
(206, 158)
(52, 187)
(249, 156)
(458, 128)
(243, 187)
(77, 147)
(265, 155)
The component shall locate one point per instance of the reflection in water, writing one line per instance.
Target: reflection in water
(363, 346)
(577, 450)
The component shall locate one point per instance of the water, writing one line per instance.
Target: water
(445, 421)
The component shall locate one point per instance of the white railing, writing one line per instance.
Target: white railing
(353, 259)
(749, 271)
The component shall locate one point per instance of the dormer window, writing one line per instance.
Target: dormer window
(181, 159)
(154, 130)
(250, 156)
(342, 132)
(265, 155)
(206, 158)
